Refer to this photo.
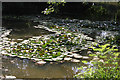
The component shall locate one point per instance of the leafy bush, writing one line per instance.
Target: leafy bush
(106, 67)
(53, 6)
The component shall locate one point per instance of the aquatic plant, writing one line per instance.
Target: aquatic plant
(50, 46)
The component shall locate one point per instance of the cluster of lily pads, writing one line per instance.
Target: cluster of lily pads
(53, 47)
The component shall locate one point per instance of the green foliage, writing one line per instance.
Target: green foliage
(48, 10)
(107, 67)
(53, 6)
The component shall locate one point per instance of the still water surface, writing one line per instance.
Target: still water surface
(28, 69)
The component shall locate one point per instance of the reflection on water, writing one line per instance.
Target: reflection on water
(23, 29)
(28, 69)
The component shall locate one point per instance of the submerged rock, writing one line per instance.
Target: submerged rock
(3, 52)
(37, 59)
(57, 59)
(12, 55)
(69, 55)
(6, 70)
(75, 60)
(2, 77)
(19, 39)
(10, 77)
(77, 56)
(48, 59)
(67, 59)
(22, 57)
(85, 57)
(32, 58)
(41, 62)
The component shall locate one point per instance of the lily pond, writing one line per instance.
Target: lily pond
(49, 47)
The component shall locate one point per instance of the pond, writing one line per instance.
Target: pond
(23, 28)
